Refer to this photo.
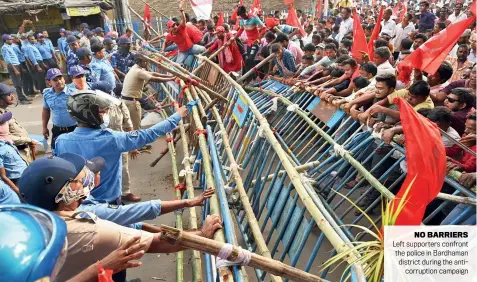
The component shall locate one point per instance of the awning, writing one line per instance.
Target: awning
(83, 11)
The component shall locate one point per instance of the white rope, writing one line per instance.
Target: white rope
(191, 159)
(339, 150)
(261, 130)
(376, 134)
(305, 179)
(229, 189)
(218, 142)
(293, 107)
(218, 133)
(274, 106)
(184, 172)
(232, 166)
(243, 256)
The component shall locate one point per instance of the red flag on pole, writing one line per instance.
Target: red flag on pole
(288, 2)
(256, 8)
(359, 42)
(293, 20)
(147, 15)
(318, 8)
(430, 55)
(426, 164)
(220, 20)
(375, 34)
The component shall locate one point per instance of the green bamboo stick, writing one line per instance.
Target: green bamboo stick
(338, 243)
(196, 260)
(224, 273)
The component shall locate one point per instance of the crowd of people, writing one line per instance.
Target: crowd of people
(93, 92)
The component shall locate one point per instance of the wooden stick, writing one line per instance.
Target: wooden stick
(213, 55)
(164, 152)
(250, 72)
(139, 16)
(182, 76)
(178, 237)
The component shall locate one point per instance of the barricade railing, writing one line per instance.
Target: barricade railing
(274, 165)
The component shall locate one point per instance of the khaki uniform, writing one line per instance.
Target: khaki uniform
(90, 239)
(134, 82)
(119, 119)
(20, 138)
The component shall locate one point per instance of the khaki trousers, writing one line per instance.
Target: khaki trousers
(135, 112)
(126, 189)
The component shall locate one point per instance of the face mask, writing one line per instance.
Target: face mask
(105, 123)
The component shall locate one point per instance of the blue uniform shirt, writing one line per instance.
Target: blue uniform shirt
(71, 60)
(33, 54)
(56, 103)
(91, 142)
(49, 44)
(9, 55)
(19, 53)
(62, 45)
(104, 71)
(128, 215)
(44, 50)
(90, 76)
(122, 61)
(14, 166)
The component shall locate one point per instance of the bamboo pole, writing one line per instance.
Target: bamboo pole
(336, 241)
(223, 272)
(301, 168)
(156, 10)
(259, 65)
(145, 23)
(181, 76)
(177, 237)
(252, 220)
(213, 55)
(196, 260)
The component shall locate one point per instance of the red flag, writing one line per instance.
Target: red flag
(256, 8)
(147, 15)
(359, 42)
(318, 8)
(220, 21)
(375, 34)
(426, 164)
(293, 20)
(271, 22)
(288, 2)
(430, 55)
(403, 12)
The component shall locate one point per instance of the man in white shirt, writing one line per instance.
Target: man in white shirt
(308, 34)
(457, 15)
(388, 25)
(346, 25)
(403, 30)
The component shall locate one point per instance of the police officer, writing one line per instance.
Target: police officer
(122, 60)
(71, 58)
(14, 67)
(90, 140)
(18, 134)
(11, 164)
(46, 52)
(102, 67)
(99, 33)
(84, 57)
(62, 46)
(27, 79)
(54, 104)
(108, 43)
(38, 66)
(59, 184)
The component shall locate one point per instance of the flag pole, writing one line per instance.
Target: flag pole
(139, 16)
(152, 7)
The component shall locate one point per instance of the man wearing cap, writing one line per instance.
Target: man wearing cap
(109, 45)
(46, 52)
(18, 134)
(14, 67)
(71, 57)
(99, 34)
(102, 67)
(84, 56)
(11, 164)
(59, 184)
(62, 45)
(84, 41)
(54, 104)
(122, 60)
(27, 79)
(133, 84)
(38, 67)
(50, 45)
(88, 108)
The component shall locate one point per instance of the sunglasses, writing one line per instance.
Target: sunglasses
(79, 76)
(451, 100)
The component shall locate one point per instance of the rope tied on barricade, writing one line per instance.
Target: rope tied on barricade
(199, 131)
(274, 106)
(192, 104)
(180, 187)
(232, 166)
(339, 150)
(186, 171)
(260, 132)
(293, 107)
(231, 255)
(169, 139)
(191, 159)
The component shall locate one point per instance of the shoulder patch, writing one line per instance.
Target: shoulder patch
(133, 133)
(111, 206)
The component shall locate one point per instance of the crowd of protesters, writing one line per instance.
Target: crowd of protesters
(92, 90)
